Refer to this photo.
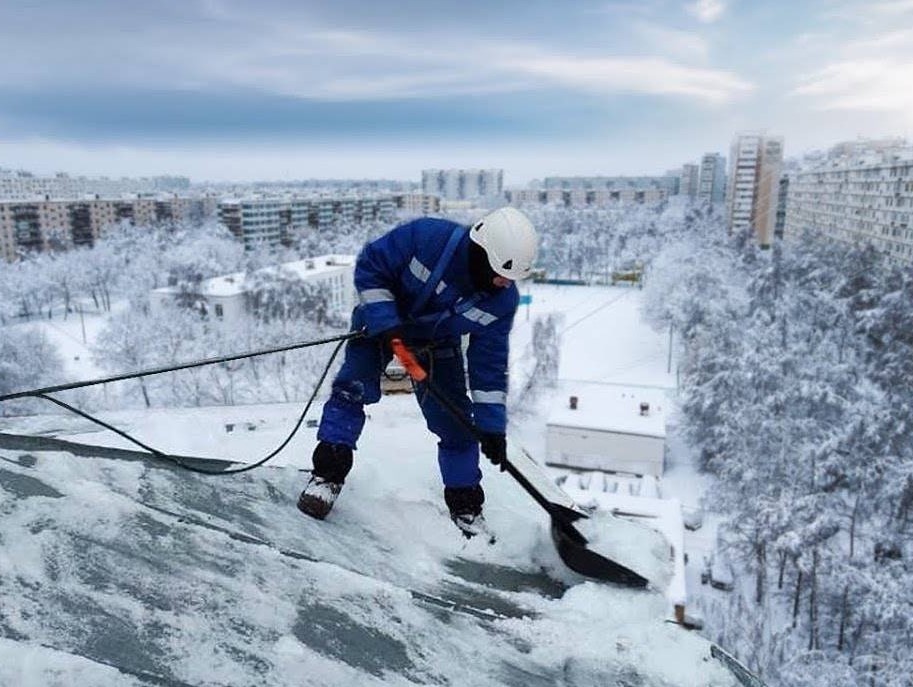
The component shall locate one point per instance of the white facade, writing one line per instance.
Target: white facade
(25, 186)
(417, 203)
(609, 431)
(463, 184)
(712, 183)
(274, 219)
(34, 226)
(866, 196)
(225, 296)
(754, 184)
(689, 180)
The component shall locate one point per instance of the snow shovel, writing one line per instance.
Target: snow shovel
(571, 544)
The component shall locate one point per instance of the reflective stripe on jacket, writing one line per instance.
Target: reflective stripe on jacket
(391, 273)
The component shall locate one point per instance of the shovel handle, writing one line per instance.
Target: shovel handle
(412, 366)
(415, 370)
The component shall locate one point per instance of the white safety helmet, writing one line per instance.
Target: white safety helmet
(510, 242)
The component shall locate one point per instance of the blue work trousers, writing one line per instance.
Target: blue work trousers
(358, 384)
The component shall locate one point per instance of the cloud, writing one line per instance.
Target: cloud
(864, 84)
(891, 7)
(686, 45)
(707, 11)
(647, 75)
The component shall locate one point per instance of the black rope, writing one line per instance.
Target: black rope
(43, 394)
(181, 366)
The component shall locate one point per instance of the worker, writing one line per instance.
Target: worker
(428, 282)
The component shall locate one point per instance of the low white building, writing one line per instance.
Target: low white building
(224, 297)
(609, 428)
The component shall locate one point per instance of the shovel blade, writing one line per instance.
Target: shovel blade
(572, 548)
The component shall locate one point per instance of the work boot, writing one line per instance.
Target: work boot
(465, 504)
(332, 463)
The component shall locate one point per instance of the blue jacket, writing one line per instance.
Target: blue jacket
(393, 273)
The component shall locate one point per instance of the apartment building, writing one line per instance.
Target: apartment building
(22, 185)
(754, 183)
(712, 180)
(463, 184)
(858, 194)
(580, 197)
(417, 203)
(669, 183)
(689, 180)
(274, 220)
(37, 225)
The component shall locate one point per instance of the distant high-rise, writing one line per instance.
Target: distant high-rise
(463, 184)
(859, 192)
(688, 186)
(712, 183)
(754, 184)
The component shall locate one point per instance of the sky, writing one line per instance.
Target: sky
(293, 89)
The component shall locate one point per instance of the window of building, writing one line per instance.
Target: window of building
(219, 310)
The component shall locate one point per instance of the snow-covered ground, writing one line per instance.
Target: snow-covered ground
(174, 578)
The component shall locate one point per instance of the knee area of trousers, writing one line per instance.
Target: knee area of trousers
(351, 392)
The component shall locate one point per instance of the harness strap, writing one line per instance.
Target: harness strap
(440, 266)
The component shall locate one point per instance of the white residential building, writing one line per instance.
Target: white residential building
(754, 184)
(619, 191)
(225, 299)
(417, 203)
(463, 184)
(253, 220)
(36, 225)
(21, 185)
(688, 185)
(857, 194)
(279, 219)
(712, 182)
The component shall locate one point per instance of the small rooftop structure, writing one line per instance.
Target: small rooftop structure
(610, 428)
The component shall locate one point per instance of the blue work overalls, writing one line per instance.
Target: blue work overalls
(416, 278)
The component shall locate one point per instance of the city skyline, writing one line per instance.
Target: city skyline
(231, 91)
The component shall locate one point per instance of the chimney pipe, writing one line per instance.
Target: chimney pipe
(573, 403)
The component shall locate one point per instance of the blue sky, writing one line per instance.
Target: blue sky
(231, 89)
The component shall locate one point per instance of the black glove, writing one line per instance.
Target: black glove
(494, 446)
(388, 335)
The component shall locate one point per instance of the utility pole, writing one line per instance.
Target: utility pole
(82, 321)
(669, 363)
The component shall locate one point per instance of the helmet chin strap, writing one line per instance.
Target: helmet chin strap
(480, 270)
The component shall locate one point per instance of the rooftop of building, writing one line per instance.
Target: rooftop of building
(614, 409)
(227, 285)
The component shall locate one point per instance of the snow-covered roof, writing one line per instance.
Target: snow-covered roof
(119, 540)
(662, 515)
(612, 408)
(228, 285)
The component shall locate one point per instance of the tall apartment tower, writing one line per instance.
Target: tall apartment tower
(754, 184)
(712, 183)
(688, 185)
(463, 184)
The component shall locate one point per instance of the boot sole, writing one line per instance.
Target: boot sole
(313, 507)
